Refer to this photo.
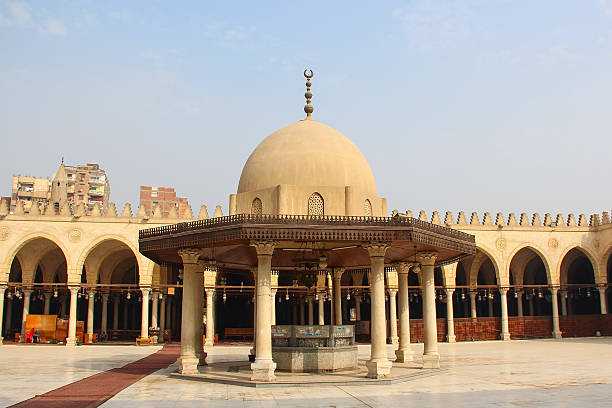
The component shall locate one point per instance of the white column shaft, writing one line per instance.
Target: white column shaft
(27, 293)
(144, 321)
(210, 334)
(310, 312)
(505, 331)
(404, 352)
(393, 316)
(450, 318)
(72, 319)
(555, 313)
(321, 310)
(473, 304)
(90, 315)
(602, 301)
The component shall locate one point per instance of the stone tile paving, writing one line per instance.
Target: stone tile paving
(529, 373)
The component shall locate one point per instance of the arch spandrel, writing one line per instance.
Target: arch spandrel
(449, 274)
(553, 279)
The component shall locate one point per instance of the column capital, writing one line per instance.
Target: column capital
(145, 291)
(73, 289)
(105, 297)
(264, 247)
(91, 291)
(392, 291)
(189, 255)
(427, 258)
(449, 291)
(376, 249)
(338, 273)
(503, 291)
(209, 291)
(402, 268)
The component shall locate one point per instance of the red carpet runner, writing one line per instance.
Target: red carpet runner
(99, 388)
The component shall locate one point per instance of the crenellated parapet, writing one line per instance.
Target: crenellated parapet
(66, 211)
(522, 220)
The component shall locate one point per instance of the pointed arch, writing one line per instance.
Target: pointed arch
(538, 252)
(256, 206)
(316, 204)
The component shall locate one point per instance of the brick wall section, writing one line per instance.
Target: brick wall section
(527, 327)
(530, 327)
(585, 325)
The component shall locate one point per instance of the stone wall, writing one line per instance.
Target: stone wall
(585, 325)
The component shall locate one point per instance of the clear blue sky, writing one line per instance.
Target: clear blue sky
(458, 105)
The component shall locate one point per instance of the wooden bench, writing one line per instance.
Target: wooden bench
(242, 332)
(144, 341)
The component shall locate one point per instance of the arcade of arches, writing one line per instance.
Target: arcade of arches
(492, 297)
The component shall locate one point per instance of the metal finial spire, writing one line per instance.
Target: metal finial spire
(308, 108)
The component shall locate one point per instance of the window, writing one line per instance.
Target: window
(256, 207)
(367, 208)
(315, 204)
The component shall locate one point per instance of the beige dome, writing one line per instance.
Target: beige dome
(307, 153)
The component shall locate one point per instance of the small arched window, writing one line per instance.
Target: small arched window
(315, 204)
(256, 207)
(367, 208)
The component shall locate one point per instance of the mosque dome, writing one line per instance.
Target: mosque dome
(307, 153)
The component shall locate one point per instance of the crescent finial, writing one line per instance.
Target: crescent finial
(308, 95)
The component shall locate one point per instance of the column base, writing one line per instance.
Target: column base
(404, 355)
(209, 342)
(431, 360)
(556, 335)
(71, 341)
(395, 341)
(451, 339)
(263, 370)
(202, 359)
(188, 365)
(379, 369)
(505, 336)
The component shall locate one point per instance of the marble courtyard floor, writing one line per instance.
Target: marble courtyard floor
(554, 373)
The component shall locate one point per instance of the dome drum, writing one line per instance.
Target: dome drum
(294, 200)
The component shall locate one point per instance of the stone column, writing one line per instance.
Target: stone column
(154, 309)
(379, 365)
(27, 293)
(450, 316)
(116, 300)
(273, 306)
(2, 290)
(393, 317)
(72, 319)
(63, 305)
(602, 300)
(490, 302)
(263, 367)
(358, 307)
(321, 309)
(555, 313)
(144, 320)
(563, 303)
(294, 313)
(210, 334)
(531, 312)
(338, 295)
(310, 310)
(519, 303)
(199, 312)
(104, 324)
(47, 307)
(473, 304)
(162, 318)
(431, 358)
(404, 352)
(190, 355)
(91, 297)
(253, 350)
(9, 314)
(126, 323)
(505, 331)
(169, 302)
(302, 320)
